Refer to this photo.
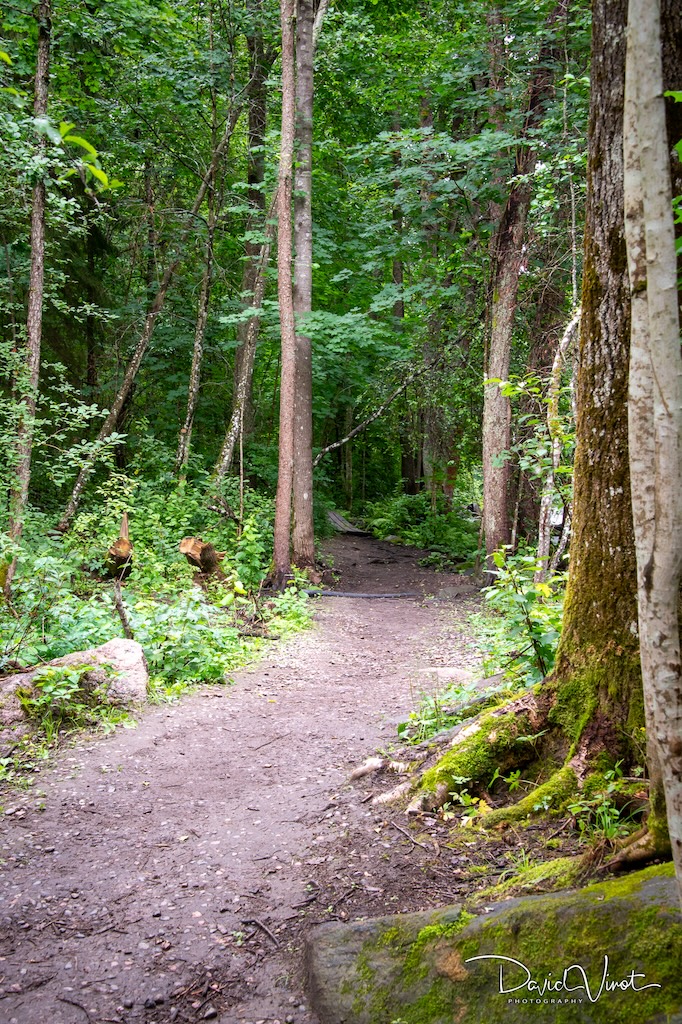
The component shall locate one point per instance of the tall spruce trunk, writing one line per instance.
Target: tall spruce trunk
(285, 474)
(28, 384)
(303, 529)
(655, 412)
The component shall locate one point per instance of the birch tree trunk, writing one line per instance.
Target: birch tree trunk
(150, 321)
(545, 523)
(282, 529)
(18, 497)
(303, 530)
(260, 64)
(655, 410)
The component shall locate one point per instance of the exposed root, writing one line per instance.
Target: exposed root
(636, 851)
(393, 795)
(430, 800)
(551, 795)
(372, 764)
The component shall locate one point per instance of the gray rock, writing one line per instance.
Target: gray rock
(625, 936)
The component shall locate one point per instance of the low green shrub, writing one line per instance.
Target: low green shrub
(411, 518)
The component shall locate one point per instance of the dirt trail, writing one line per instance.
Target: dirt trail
(169, 872)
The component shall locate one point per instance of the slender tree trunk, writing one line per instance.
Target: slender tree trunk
(182, 454)
(34, 322)
(303, 530)
(150, 322)
(507, 262)
(241, 398)
(260, 63)
(496, 406)
(282, 529)
(655, 411)
(545, 523)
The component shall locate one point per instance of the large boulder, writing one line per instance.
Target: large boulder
(118, 670)
(605, 954)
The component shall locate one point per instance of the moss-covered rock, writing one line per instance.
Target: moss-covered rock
(608, 954)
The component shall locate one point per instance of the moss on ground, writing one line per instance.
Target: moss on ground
(625, 935)
(493, 746)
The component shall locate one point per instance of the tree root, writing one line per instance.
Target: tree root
(561, 785)
(638, 850)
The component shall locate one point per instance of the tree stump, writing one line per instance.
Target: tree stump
(201, 554)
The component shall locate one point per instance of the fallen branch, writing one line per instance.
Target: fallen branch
(122, 613)
(408, 836)
(263, 927)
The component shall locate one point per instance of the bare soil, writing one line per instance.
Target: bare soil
(170, 872)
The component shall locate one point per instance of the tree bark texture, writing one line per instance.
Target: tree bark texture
(150, 321)
(553, 427)
(18, 497)
(597, 674)
(303, 529)
(655, 407)
(282, 529)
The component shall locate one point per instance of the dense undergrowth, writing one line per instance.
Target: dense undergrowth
(449, 531)
(192, 629)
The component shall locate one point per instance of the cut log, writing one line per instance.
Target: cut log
(119, 560)
(204, 556)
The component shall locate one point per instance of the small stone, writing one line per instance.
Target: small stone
(210, 1013)
(128, 1004)
(149, 1004)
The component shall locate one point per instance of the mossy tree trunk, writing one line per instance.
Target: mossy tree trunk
(597, 681)
(590, 711)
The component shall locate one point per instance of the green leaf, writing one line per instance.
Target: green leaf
(98, 173)
(6, 57)
(78, 140)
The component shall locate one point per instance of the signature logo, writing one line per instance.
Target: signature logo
(572, 979)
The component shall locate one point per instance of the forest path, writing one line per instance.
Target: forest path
(168, 873)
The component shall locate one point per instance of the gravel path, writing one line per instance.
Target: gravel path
(168, 873)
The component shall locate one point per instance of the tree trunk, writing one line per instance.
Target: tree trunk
(303, 531)
(553, 428)
(241, 398)
(260, 63)
(655, 412)
(507, 262)
(282, 530)
(182, 454)
(591, 707)
(150, 322)
(18, 497)
(597, 676)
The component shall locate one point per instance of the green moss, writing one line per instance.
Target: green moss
(476, 758)
(550, 876)
(425, 978)
(551, 795)
(617, 888)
